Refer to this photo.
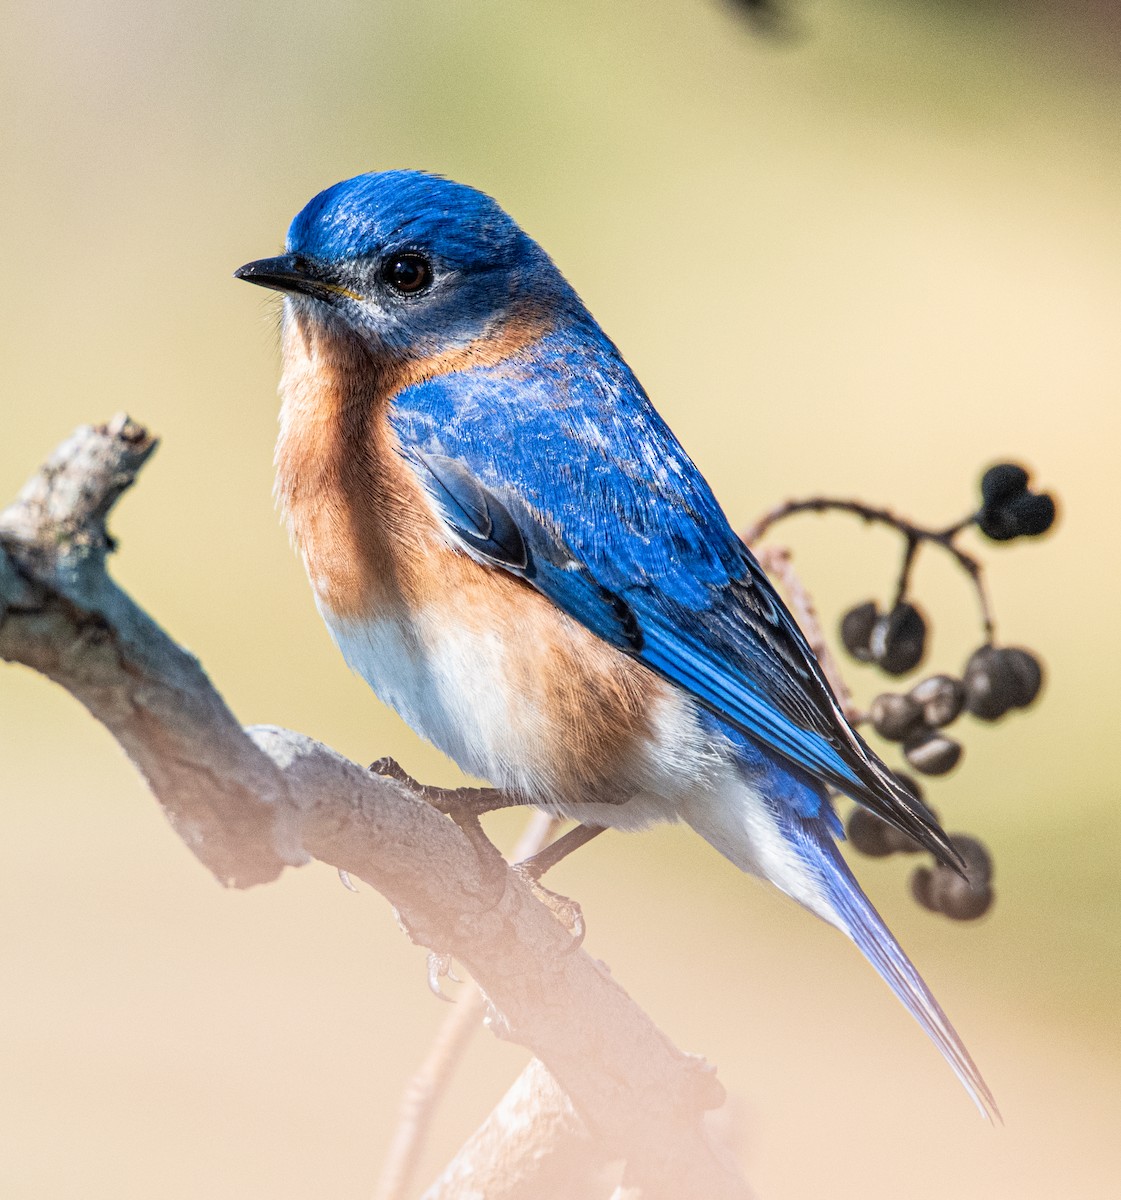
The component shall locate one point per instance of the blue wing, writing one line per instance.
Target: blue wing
(560, 471)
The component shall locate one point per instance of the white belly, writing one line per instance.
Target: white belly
(445, 683)
(450, 685)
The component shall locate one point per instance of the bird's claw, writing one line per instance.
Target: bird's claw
(564, 908)
(392, 769)
(496, 1021)
(461, 804)
(347, 882)
(571, 916)
(439, 967)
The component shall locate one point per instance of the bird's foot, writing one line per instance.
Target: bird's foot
(392, 769)
(464, 806)
(453, 802)
(544, 860)
(564, 908)
(440, 968)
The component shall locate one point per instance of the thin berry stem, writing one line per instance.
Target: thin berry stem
(775, 560)
(909, 556)
(965, 523)
(915, 536)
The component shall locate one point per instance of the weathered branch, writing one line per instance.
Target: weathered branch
(533, 1146)
(61, 614)
(250, 802)
(424, 1089)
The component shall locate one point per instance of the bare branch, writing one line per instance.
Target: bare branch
(61, 614)
(249, 802)
(533, 1146)
(424, 1090)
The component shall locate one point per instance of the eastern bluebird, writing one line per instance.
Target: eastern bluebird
(510, 546)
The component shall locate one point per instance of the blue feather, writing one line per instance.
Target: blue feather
(584, 464)
(863, 924)
(553, 466)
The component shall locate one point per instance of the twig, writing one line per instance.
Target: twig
(422, 1093)
(915, 536)
(424, 1090)
(776, 561)
(533, 1146)
(248, 802)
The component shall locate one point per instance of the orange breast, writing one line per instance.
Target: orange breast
(351, 508)
(570, 707)
(354, 507)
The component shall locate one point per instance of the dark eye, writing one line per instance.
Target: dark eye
(407, 273)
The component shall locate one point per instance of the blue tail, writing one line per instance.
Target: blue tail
(862, 923)
(778, 823)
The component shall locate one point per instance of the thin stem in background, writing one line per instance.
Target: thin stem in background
(425, 1089)
(776, 561)
(915, 535)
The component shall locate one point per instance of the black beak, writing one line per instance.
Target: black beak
(292, 273)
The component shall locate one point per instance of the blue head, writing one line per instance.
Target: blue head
(410, 263)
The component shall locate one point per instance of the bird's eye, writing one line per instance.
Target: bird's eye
(407, 273)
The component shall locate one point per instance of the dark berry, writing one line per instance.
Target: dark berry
(978, 861)
(998, 680)
(1028, 515)
(1031, 515)
(958, 899)
(932, 753)
(940, 698)
(1002, 482)
(1009, 509)
(894, 716)
(989, 686)
(856, 630)
(1025, 674)
(899, 639)
(942, 890)
(921, 888)
(868, 833)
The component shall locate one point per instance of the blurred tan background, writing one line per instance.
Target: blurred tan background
(866, 258)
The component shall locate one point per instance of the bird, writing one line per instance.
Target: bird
(510, 546)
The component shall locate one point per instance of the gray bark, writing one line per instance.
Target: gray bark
(609, 1085)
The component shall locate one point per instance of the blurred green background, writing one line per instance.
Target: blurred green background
(867, 257)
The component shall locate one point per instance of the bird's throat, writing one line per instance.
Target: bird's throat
(354, 507)
(350, 502)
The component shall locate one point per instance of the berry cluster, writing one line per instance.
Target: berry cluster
(995, 680)
(937, 888)
(915, 718)
(999, 680)
(1009, 509)
(895, 641)
(961, 898)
